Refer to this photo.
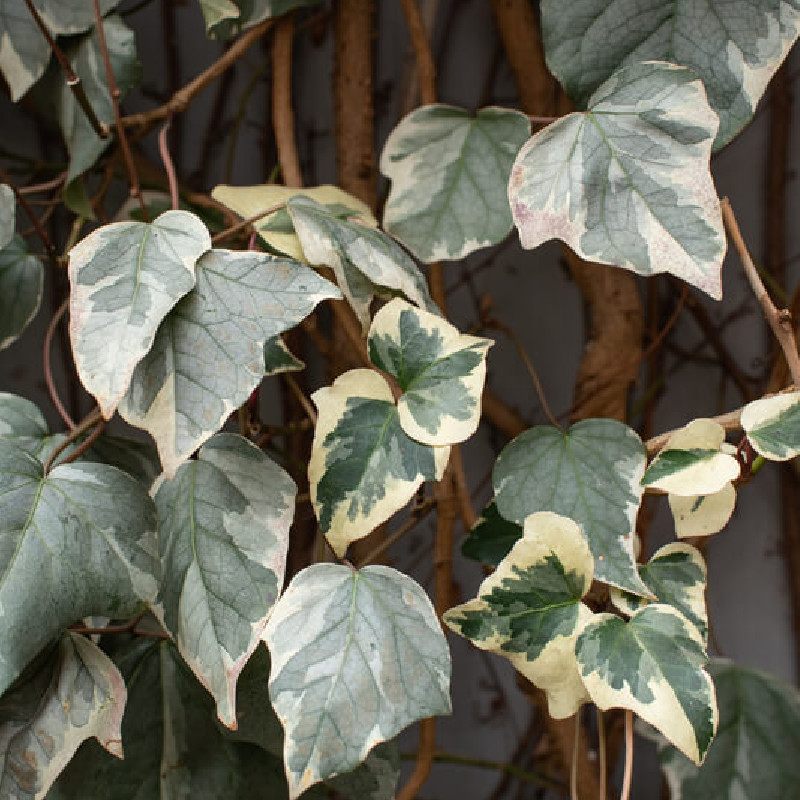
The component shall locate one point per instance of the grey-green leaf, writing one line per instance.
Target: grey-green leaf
(449, 170)
(22, 423)
(8, 214)
(249, 13)
(491, 537)
(21, 285)
(772, 425)
(278, 358)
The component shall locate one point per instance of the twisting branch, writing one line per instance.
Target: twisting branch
(48, 371)
(169, 166)
(426, 67)
(240, 226)
(282, 110)
(89, 421)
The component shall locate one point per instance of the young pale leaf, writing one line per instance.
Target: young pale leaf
(357, 655)
(772, 425)
(652, 665)
(8, 214)
(591, 474)
(278, 358)
(440, 371)
(734, 46)
(363, 465)
(365, 261)
(21, 284)
(223, 535)
(215, 11)
(249, 13)
(492, 537)
(208, 354)
(627, 182)
(449, 170)
(76, 695)
(530, 611)
(702, 515)
(124, 279)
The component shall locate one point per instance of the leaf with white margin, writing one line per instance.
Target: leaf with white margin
(492, 537)
(772, 425)
(21, 285)
(278, 358)
(222, 539)
(591, 474)
(77, 542)
(22, 423)
(125, 277)
(449, 170)
(215, 11)
(208, 354)
(440, 370)
(76, 695)
(366, 262)
(357, 655)
(8, 214)
(652, 665)
(734, 46)
(530, 611)
(627, 182)
(363, 465)
(676, 574)
(277, 229)
(250, 13)
(702, 515)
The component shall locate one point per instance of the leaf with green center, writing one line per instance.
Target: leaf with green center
(223, 535)
(21, 285)
(440, 370)
(363, 465)
(77, 542)
(138, 459)
(125, 278)
(366, 262)
(278, 358)
(215, 11)
(357, 655)
(208, 354)
(22, 423)
(530, 611)
(250, 13)
(8, 214)
(591, 474)
(772, 425)
(76, 695)
(492, 537)
(734, 46)
(627, 182)
(702, 515)
(652, 665)
(449, 169)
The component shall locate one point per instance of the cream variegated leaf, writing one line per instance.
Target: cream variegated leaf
(627, 182)
(357, 655)
(440, 370)
(215, 11)
(530, 611)
(278, 358)
(702, 515)
(125, 278)
(21, 286)
(248, 14)
(8, 214)
(772, 425)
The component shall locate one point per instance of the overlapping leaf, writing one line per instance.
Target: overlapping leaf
(702, 515)
(8, 214)
(357, 655)
(492, 537)
(278, 358)
(22, 423)
(772, 425)
(222, 23)
(21, 284)
(627, 182)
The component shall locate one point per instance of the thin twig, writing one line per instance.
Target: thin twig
(628, 774)
(85, 444)
(301, 398)
(217, 238)
(48, 371)
(424, 762)
(88, 422)
(426, 66)
(573, 771)
(656, 341)
(282, 110)
(47, 186)
(166, 158)
(463, 498)
(419, 514)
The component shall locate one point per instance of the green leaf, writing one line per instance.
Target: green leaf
(652, 665)
(208, 354)
(702, 515)
(215, 11)
(627, 182)
(223, 536)
(125, 278)
(8, 214)
(138, 459)
(772, 425)
(76, 542)
(76, 695)
(363, 465)
(21, 423)
(366, 262)
(491, 537)
(530, 611)
(734, 46)
(449, 171)
(590, 474)
(250, 13)
(278, 358)
(21, 285)
(357, 655)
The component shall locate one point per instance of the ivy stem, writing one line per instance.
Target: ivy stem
(301, 398)
(88, 422)
(426, 66)
(37, 188)
(628, 774)
(169, 166)
(48, 371)
(282, 110)
(419, 514)
(239, 226)
(424, 762)
(573, 773)
(601, 752)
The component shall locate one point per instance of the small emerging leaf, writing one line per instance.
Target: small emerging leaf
(21, 285)
(492, 537)
(772, 425)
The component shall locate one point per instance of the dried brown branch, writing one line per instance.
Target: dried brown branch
(169, 167)
(426, 67)
(424, 762)
(94, 417)
(282, 109)
(48, 371)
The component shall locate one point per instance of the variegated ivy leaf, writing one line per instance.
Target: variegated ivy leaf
(22, 423)
(76, 695)
(591, 474)
(208, 354)
(702, 515)
(652, 665)
(772, 425)
(363, 465)
(449, 170)
(215, 11)
(277, 229)
(627, 182)
(124, 279)
(357, 655)
(8, 214)
(248, 14)
(492, 537)
(676, 575)
(223, 535)
(440, 370)
(734, 46)
(21, 284)
(278, 358)
(365, 261)
(76, 542)
(530, 611)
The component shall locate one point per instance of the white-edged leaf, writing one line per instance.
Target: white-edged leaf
(125, 277)
(772, 425)
(223, 536)
(357, 655)
(627, 182)
(278, 358)
(77, 694)
(449, 169)
(702, 515)
(440, 370)
(491, 537)
(21, 285)
(591, 474)
(215, 11)
(8, 214)
(530, 611)
(250, 13)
